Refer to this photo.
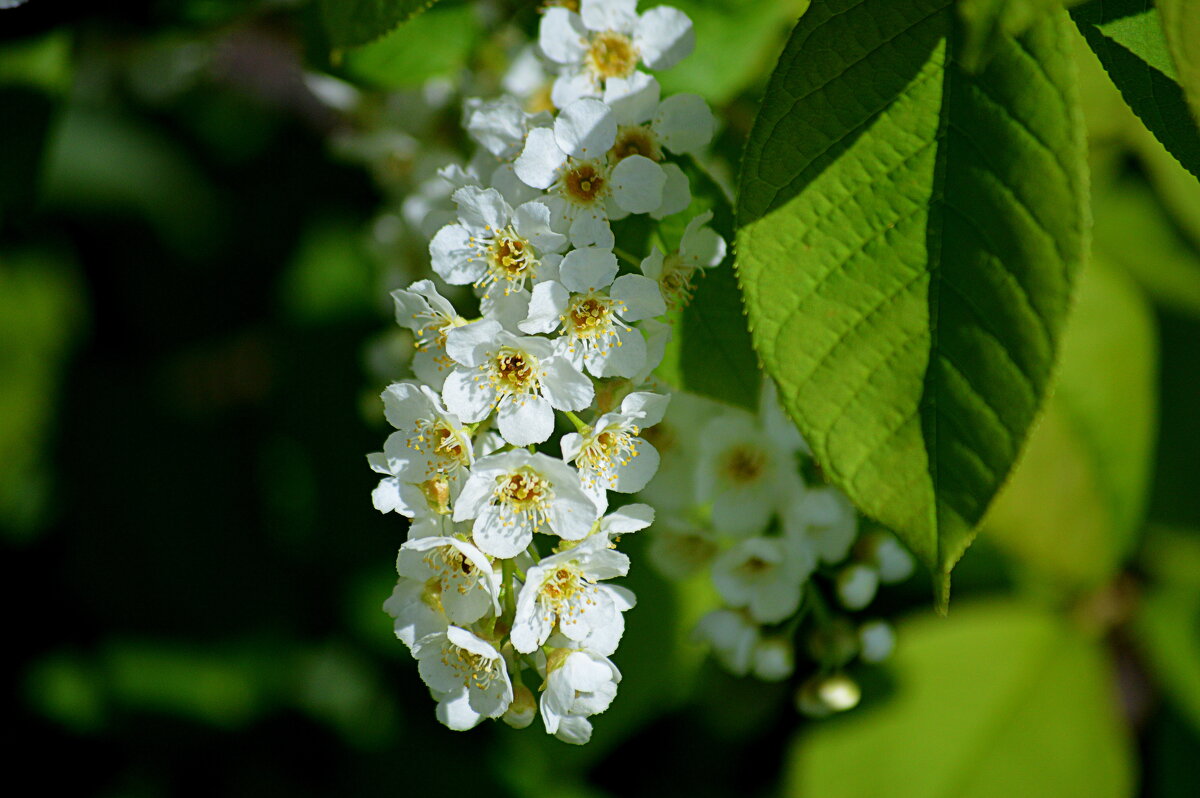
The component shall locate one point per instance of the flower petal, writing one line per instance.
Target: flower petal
(499, 538)
(525, 420)
(565, 386)
(683, 123)
(453, 257)
(664, 37)
(482, 208)
(562, 36)
(539, 162)
(640, 295)
(634, 99)
(546, 307)
(638, 471)
(585, 129)
(637, 184)
(466, 397)
(532, 222)
(588, 269)
(677, 192)
(614, 15)
(590, 229)
(570, 87)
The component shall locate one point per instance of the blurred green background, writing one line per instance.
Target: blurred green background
(194, 325)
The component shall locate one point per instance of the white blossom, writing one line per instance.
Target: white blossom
(430, 316)
(562, 590)
(416, 612)
(426, 500)
(733, 638)
(579, 684)
(856, 585)
(700, 248)
(513, 494)
(609, 454)
(608, 39)
(454, 571)
(437, 441)
(764, 575)
(876, 639)
(495, 246)
(825, 519)
(593, 310)
(466, 675)
(521, 377)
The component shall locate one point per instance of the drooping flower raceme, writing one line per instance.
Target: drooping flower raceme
(525, 417)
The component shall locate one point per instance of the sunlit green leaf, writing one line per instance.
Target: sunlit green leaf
(1075, 501)
(353, 22)
(1127, 36)
(996, 701)
(908, 239)
(1181, 23)
(432, 44)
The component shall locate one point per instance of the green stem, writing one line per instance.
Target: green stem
(510, 590)
(627, 257)
(580, 427)
(820, 608)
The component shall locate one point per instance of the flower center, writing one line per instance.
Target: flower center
(524, 496)
(676, 281)
(511, 259)
(744, 464)
(514, 372)
(612, 55)
(612, 447)
(755, 568)
(450, 448)
(635, 140)
(591, 321)
(561, 584)
(451, 567)
(585, 183)
(475, 670)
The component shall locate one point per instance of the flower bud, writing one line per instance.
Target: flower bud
(839, 692)
(856, 586)
(523, 708)
(773, 659)
(889, 557)
(877, 639)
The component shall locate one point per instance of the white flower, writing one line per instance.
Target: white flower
(625, 521)
(765, 575)
(562, 589)
(571, 161)
(438, 442)
(528, 80)
(522, 377)
(501, 125)
(408, 491)
(430, 316)
(417, 613)
(876, 640)
(747, 474)
(891, 559)
(774, 659)
(578, 685)
(594, 310)
(493, 245)
(607, 40)
(459, 574)
(699, 248)
(466, 675)
(610, 455)
(514, 494)
(825, 519)
(732, 636)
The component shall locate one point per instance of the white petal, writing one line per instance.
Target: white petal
(572, 514)
(634, 99)
(633, 476)
(619, 361)
(466, 397)
(562, 36)
(532, 222)
(509, 308)
(570, 87)
(629, 519)
(677, 192)
(588, 269)
(546, 307)
(664, 37)
(590, 229)
(652, 264)
(482, 208)
(647, 407)
(701, 246)
(637, 184)
(614, 15)
(498, 125)
(683, 123)
(585, 129)
(499, 538)
(539, 162)
(570, 444)
(431, 367)
(513, 188)
(462, 343)
(640, 295)
(565, 386)
(451, 252)
(455, 712)
(526, 420)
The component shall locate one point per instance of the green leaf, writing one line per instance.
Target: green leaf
(1133, 231)
(1128, 38)
(1077, 497)
(1181, 24)
(908, 239)
(999, 700)
(433, 44)
(1168, 620)
(712, 354)
(353, 22)
(986, 23)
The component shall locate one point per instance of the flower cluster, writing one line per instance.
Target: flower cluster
(735, 504)
(525, 417)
